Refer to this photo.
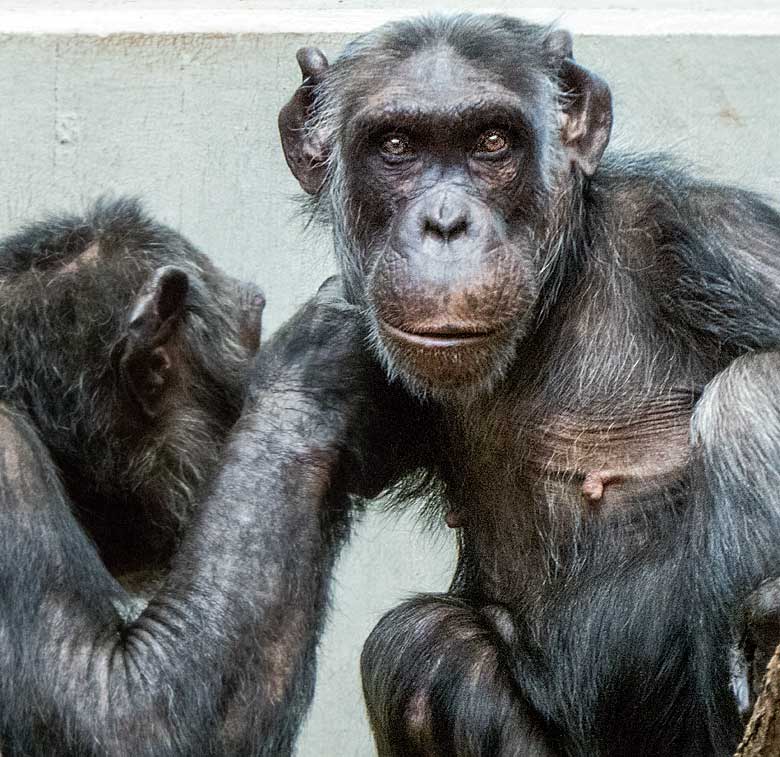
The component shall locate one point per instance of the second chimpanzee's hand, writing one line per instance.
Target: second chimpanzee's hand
(313, 386)
(320, 380)
(319, 353)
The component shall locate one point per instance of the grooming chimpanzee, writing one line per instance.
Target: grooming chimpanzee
(125, 360)
(594, 341)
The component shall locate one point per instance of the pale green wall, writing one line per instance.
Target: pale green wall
(188, 123)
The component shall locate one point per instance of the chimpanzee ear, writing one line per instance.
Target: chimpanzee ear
(586, 113)
(304, 150)
(149, 362)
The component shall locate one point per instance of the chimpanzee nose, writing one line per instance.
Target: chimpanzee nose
(445, 219)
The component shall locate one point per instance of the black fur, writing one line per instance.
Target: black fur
(163, 574)
(586, 629)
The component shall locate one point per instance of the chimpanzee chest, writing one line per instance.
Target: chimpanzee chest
(545, 472)
(599, 459)
(593, 457)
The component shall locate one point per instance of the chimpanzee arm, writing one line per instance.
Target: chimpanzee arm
(725, 297)
(725, 246)
(437, 681)
(242, 603)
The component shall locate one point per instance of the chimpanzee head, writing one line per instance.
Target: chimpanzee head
(443, 152)
(129, 350)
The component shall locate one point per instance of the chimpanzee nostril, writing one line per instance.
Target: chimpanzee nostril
(446, 224)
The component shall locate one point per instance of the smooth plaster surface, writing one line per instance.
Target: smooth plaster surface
(188, 123)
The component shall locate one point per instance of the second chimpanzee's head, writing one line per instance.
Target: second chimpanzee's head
(131, 353)
(441, 151)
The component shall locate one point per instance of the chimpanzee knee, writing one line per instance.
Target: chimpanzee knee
(736, 449)
(737, 423)
(436, 683)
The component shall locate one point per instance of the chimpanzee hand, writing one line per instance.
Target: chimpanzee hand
(313, 383)
(319, 355)
(336, 394)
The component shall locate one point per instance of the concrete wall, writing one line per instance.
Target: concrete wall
(188, 123)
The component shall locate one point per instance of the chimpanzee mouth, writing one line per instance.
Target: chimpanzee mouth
(442, 337)
(449, 359)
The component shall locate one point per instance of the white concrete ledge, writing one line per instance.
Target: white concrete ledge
(606, 22)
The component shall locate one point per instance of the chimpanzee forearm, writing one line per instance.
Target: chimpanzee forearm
(261, 550)
(218, 663)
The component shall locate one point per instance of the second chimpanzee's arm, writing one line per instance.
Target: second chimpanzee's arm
(239, 613)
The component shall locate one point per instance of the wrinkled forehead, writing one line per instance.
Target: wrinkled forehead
(439, 76)
(440, 84)
(440, 81)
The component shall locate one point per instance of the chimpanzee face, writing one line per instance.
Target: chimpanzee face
(444, 174)
(443, 169)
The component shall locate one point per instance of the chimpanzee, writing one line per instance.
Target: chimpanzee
(169, 503)
(595, 342)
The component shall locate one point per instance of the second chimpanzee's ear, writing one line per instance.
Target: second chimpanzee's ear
(586, 112)
(149, 362)
(303, 149)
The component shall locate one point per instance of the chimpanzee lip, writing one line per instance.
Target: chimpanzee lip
(445, 335)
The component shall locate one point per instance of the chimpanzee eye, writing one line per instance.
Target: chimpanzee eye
(395, 146)
(491, 143)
